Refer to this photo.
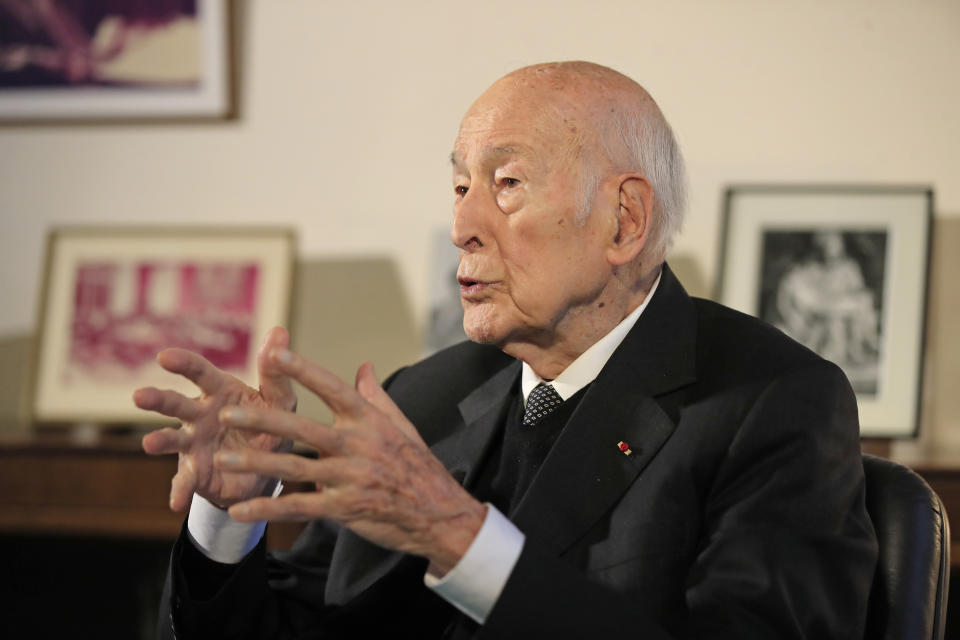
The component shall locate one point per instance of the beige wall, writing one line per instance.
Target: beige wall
(349, 110)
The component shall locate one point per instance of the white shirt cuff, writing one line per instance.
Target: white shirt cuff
(220, 537)
(475, 583)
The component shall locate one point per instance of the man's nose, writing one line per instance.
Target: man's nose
(469, 230)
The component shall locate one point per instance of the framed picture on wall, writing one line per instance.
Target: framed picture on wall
(107, 61)
(112, 298)
(843, 270)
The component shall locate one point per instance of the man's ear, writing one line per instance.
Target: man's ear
(634, 219)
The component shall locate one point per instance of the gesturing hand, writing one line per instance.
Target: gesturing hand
(374, 474)
(202, 435)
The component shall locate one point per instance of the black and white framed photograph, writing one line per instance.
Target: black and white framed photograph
(842, 270)
(108, 60)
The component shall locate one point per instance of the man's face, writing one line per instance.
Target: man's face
(529, 266)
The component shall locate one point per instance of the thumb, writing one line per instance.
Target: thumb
(275, 387)
(371, 391)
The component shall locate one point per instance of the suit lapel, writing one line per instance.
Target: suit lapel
(483, 413)
(360, 563)
(585, 473)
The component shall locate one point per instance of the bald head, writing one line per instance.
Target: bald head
(609, 123)
(567, 190)
(589, 87)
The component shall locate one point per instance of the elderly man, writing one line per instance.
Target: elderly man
(627, 462)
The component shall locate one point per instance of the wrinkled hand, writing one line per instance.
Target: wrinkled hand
(201, 435)
(374, 474)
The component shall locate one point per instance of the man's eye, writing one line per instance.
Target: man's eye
(460, 190)
(509, 182)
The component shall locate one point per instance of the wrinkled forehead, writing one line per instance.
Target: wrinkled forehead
(508, 120)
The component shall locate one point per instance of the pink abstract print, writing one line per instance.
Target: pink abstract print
(124, 313)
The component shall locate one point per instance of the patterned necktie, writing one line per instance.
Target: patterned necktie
(543, 401)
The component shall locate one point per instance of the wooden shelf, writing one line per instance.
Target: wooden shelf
(102, 485)
(108, 487)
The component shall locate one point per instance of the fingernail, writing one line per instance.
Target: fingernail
(239, 510)
(228, 458)
(282, 355)
(233, 414)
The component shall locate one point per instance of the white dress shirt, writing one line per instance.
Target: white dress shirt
(477, 580)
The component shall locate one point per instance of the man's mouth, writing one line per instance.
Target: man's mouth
(470, 287)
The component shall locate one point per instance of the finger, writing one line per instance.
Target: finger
(289, 467)
(275, 386)
(195, 368)
(370, 389)
(337, 394)
(167, 403)
(293, 507)
(183, 485)
(167, 441)
(285, 424)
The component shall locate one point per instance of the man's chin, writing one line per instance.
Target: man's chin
(480, 329)
(480, 337)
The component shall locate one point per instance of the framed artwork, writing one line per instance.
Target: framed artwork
(844, 271)
(109, 60)
(112, 298)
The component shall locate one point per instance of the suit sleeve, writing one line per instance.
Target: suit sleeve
(266, 595)
(786, 551)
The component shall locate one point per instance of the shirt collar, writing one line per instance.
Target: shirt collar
(588, 364)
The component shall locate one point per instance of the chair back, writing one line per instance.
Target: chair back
(908, 600)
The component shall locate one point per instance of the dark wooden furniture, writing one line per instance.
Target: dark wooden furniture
(93, 484)
(53, 483)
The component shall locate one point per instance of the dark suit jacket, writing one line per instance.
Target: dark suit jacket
(739, 514)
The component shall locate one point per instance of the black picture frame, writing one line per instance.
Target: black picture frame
(844, 269)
